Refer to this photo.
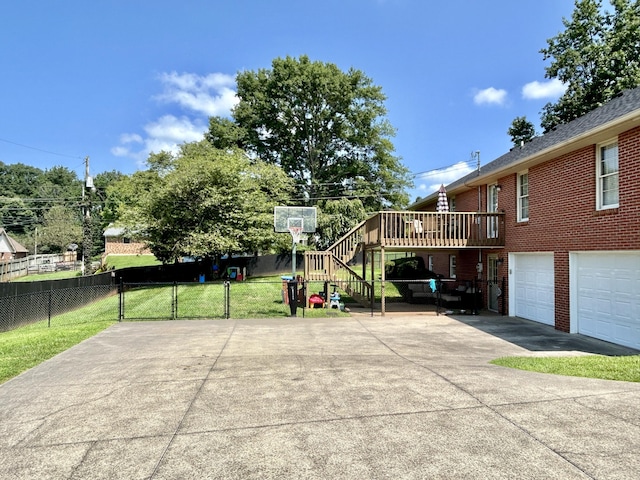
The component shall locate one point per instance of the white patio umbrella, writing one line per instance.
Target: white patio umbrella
(443, 202)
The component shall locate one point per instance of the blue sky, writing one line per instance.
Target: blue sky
(116, 79)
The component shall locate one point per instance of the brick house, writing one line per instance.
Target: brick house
(569, 219)
(9, 248)
(118, 242)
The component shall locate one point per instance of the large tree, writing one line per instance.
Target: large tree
(596, 57)
(326, 128)
(205, 202)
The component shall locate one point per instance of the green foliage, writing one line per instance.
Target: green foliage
(61, 227)
(50, 201)
(124, 195)
(17, 215)
(336, 218)
(19, 180)
(205, 203)
(326, 128)
(521, 131)
(596, 57)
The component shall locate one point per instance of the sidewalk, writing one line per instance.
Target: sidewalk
(405, 396)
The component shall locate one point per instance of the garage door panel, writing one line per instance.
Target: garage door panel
(534, 287)
(607, 295)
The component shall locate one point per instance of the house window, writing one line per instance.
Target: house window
(523, 196)
(452, 204)
(430, 262)
(126, 240)
(607, 174)
(452, 266)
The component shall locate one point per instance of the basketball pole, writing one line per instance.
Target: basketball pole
(293, 255)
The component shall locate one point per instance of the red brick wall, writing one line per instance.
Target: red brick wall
(563, 215)
(116, 245)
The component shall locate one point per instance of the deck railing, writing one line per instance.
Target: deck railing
(325, 266)
(435, 229)
(349, 244)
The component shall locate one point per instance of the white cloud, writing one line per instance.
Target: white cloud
(198, 96)
(175, 130)
(429, 182)
(165, 134)
(535, 90)
(130, 138)
(490, 96)
(211, 95)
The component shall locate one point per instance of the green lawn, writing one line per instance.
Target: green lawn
(625, 368)
(27, 347)
(37, 277)
(124, 261)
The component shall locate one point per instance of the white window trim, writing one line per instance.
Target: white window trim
(519, 197)
(599, 196)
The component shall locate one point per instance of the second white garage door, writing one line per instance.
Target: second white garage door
(532, 286)
(605, 296)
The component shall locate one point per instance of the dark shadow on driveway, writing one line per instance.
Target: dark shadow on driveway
(537, 337)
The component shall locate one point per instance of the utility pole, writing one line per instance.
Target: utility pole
(87, 237)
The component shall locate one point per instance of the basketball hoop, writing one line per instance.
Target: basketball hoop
(296, 233)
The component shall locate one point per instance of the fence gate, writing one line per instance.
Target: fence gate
(172, 301)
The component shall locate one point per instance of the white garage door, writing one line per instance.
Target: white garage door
(533, 286)
(605, 296)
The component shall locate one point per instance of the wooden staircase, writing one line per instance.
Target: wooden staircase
(332, 266)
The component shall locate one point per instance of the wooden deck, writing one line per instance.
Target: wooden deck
(413, 230)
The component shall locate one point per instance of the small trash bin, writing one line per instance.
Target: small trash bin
(201, 278)
(292, 290)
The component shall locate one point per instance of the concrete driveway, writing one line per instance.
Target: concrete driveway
(364, 397)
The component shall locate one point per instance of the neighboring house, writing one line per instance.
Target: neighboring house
(569, 206)
(9, 248)
(118, 242)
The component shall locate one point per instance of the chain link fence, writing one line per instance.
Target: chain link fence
(255, 298)
(55, 307)
(227, 299)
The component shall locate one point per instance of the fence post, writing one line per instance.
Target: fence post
(373, 296)
(121, 302)
(49, 309)
(174, 301)
(227, 299)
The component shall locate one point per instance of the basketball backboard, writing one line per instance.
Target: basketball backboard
(286, 217)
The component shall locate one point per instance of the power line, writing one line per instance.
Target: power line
(39, 149)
